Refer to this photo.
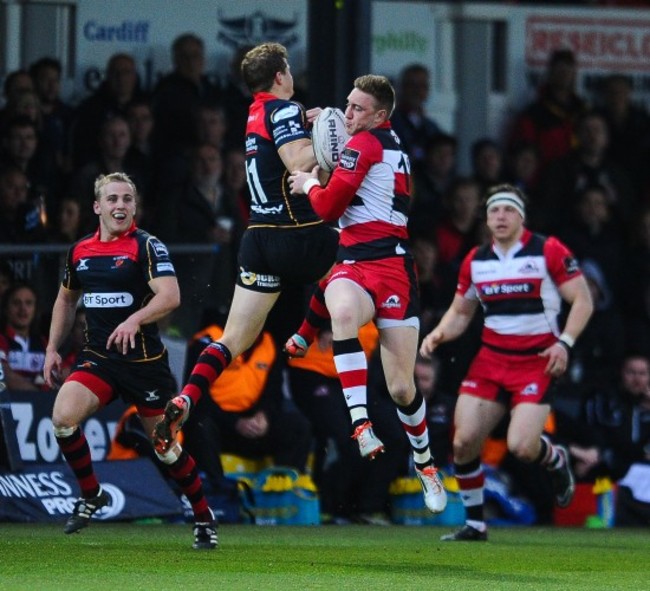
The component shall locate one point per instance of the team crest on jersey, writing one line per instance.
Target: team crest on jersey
(571, 265)
(528, 267)
(392, 301)
(285, 113)
(118, 261)
(531, 389)
(82, 265)
(349, 159)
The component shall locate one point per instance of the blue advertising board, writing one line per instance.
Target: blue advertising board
(47, 492)
(26, 426)
(37, 486)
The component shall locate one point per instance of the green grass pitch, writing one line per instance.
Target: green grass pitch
(160, 557)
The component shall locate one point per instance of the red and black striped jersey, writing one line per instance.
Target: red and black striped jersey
(114, 277)
(518, 290)
(272, 123)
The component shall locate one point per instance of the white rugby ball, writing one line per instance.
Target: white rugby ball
(329, 137)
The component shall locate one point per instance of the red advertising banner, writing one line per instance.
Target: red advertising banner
(620, 44)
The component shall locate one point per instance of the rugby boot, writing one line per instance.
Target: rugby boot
(205, 534)
(369, 444)
(83, 510)
(467, 533)
(562, 480)
(435, 496)
(176, 412)
(296, 346)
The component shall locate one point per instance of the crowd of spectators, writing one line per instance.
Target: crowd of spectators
(583, 167)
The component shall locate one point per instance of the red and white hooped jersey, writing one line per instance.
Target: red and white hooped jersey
(518, 291)
(369, 194)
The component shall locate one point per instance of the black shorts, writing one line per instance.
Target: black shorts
(272, 258)
(147, 384)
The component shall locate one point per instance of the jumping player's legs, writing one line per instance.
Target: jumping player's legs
(316, 318)
(246, 318)
(248, 313)
(268, 259)
(398, 348)
(350, 308)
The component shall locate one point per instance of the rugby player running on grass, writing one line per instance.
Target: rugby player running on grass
(128, 283)
(520, 280)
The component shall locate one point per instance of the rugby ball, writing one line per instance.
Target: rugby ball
(329, 137)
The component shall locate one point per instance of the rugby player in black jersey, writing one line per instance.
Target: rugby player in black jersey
(127, 282)
(286, 243)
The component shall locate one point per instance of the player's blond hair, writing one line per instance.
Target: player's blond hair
(114, 177)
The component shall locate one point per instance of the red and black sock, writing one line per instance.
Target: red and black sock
(77, 453)
(208, 367)
(185, 474)
(317, 316)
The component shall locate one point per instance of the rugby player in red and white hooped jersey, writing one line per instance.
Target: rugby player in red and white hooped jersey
(519, 279)
(374, 277)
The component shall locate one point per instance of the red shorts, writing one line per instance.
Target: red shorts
(510, 379)
(392, 285)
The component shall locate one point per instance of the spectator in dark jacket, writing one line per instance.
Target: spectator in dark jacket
(549, 121)
(111, 99)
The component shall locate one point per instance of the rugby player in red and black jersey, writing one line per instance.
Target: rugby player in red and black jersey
(374, 276)
(520, 280)
(286, 243)
(127, 282)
